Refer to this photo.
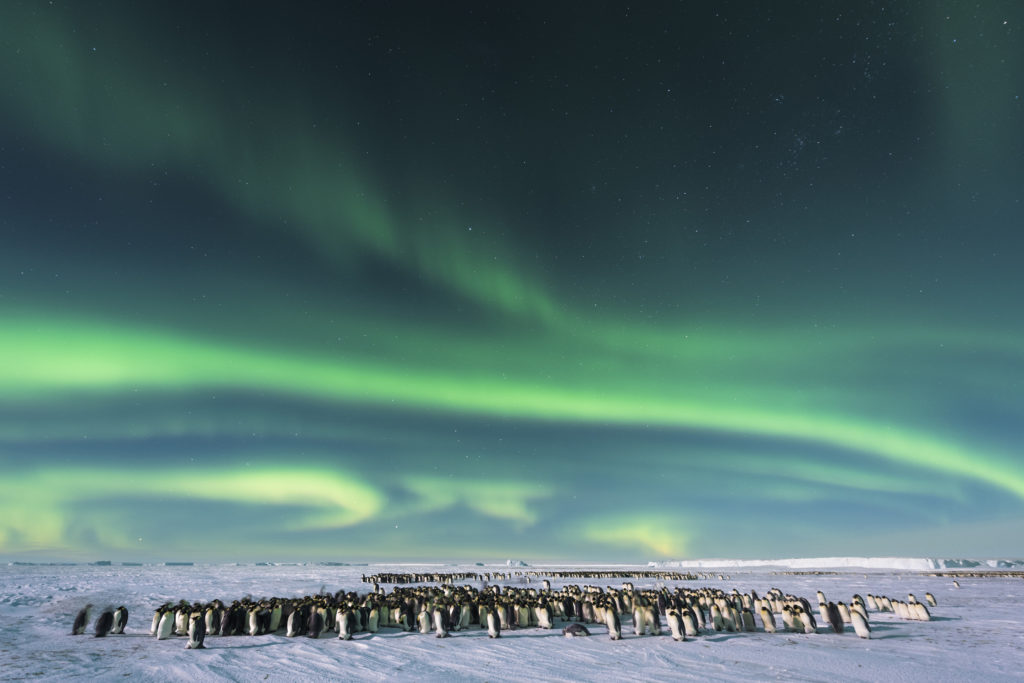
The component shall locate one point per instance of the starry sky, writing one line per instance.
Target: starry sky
(476, 281)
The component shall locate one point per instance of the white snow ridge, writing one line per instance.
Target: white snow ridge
(908, 563)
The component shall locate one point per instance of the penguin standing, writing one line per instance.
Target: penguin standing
(844, 612)
(931, 599)
(675, 625)
(423, 620)
(860, 624)
(181, 613)
(493, 624)
(373, 620)
(690, 627)
(275, 617)
(292, 624)
(614, 624)
(835, 618)
(345, 620)
(211, 619)
(104, 623)
(253, 621)
(316, 624)
(158, 614)
(196, 631)
(81, 620)
(767, 619)
(653, 620)
(544, 617)
(639, 620)
(120, 619)
(441, 621)
(747, 617)
(716, 617)
(807, 619)
(166, 626)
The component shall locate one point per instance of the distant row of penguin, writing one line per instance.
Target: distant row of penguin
(527, 576)
(445, 609)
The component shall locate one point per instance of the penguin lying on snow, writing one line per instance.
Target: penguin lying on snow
(575, 630)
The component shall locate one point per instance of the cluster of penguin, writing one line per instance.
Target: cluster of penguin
(109, 621)
(446, 609)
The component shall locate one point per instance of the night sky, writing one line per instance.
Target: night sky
(546, 281)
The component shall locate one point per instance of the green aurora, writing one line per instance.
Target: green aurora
(287, 285)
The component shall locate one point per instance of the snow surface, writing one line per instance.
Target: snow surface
(975, 633)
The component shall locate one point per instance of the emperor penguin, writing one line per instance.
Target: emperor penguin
(157, 613)
(614, 625)
(716, 617)
(181, 613)
(639, 620)
(373, 620)
(344, 620)
(860, 624)
(493, 624)
(689, 622)
(798, 622)
(575, 631)
(787, 617)
(858, 608)
(315, 625)
(653, 620)
(292, 625)
(211, 617)
(441, 621)
(253, 621)
(920, 612)
(231, 620)
(675, 625)
(423, 620)
(166, 626)
(835, 618)
(844, 612)
(196, 631)
(275, 616)
(544, 617)
(120, 619)
(81, 620)
(930, 598)
(748, 620)
(734, 622)
(104, 623)
(698, 614)
(522, 615)
(807, 619)
(767, 619)
(465, 616)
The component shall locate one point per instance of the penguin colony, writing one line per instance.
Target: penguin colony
(683, 612)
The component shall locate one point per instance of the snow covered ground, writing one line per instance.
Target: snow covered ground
(975, 633)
